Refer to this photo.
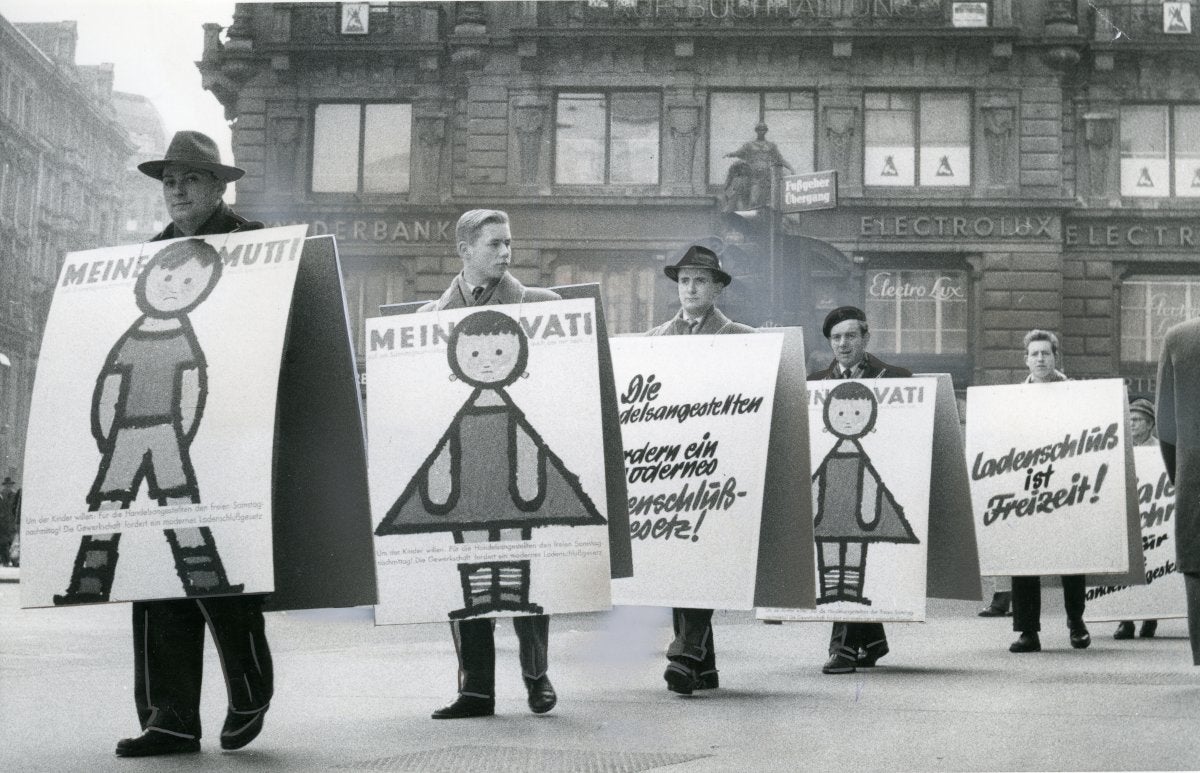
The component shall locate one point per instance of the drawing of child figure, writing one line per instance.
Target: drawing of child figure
(491, 476)
(146, 410)
(852, 505)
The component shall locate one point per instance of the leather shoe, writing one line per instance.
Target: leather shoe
(466, 706)
(681, 678)
(709, 680)
(541, 694)
(241, 728)
(1080, 638)
(867, 657)
(1124, 630)
(153, 743)
(1149, 627)
(1028, 641)
(840, 662)
(998, 607)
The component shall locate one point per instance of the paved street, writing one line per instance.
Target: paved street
(353, 696)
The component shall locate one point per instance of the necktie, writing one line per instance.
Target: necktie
(476, 291)
(693, 326)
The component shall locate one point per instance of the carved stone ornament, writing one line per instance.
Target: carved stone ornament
(839, 130)
(684, 126)
(998, 133)
(530, 124)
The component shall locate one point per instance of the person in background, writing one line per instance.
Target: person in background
(10, 526)
(1141, 433)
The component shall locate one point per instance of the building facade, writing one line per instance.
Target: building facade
(143, 212)
(992, 158)
(62, 153)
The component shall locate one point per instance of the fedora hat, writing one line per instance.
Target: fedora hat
(699, 257)
(195, 150)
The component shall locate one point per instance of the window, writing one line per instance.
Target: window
(607, 138)
(1160, 150)
(790, 120)
(361, 148)
(1149, 307)
(627, 288)
(917, 139)
(917, 311)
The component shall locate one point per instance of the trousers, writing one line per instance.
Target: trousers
(474, 641)
(168, 652)
(1027, 600)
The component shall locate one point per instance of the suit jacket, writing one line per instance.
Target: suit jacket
(1178, 406)
(875, 368)
(223, 221)
(715, 323)
(507, 290)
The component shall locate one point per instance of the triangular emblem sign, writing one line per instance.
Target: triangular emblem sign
(1144, 180)
(944, 169)
(889, 168)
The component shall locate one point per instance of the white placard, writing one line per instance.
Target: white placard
(1047, 467)
(487, 443)
(1163, 595)
(695, 416)
(872, 446)
(156, 389)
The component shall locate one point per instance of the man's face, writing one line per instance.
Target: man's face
(698, 290)
(1039, 358)
(486, 259)
(1141, 426)
(191, 195)
(848, 342)
(168, 290)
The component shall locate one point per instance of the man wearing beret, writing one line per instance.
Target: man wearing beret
(168, 636)
(1141, 433)
(853, 645)
(691, 656)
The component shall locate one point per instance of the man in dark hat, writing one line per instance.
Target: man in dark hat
(194, 181)
(691, 656)
(168, 636)
(853, 645)
(701, 281)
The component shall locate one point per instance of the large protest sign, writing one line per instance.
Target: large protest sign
(1052, 479)
(1163, 595)
(487, 462)
(871, 449)
(696, 418)
(148, 464)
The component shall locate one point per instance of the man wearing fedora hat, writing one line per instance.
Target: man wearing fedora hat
(193, 182)
(168, 636)
(691, 656)
(853, 645)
